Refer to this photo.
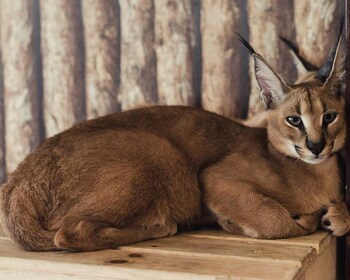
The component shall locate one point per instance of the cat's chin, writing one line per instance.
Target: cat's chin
(315, 160)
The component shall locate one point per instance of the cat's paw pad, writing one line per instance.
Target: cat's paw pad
(336, 219)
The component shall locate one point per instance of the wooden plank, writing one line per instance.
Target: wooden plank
(324, 266)
(138, 59)
(63, 64)
(19, 44)
(319, 240)
(123, 264)
(174, 33)
(225, 81)
(102, 52)
(269, 19)
(221, 249)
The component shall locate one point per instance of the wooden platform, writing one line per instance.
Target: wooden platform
(206, 254)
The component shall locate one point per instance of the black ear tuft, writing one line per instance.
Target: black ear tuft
(307, 65)
(325, 71)
(246, 44)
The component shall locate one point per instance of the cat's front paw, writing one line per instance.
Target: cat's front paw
(309, 222)
(336, 219)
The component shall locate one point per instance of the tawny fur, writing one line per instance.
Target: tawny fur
(143, 174)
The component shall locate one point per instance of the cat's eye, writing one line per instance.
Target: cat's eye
(329, 118)
(294, 120)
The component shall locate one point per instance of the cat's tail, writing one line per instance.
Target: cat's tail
(20, 220)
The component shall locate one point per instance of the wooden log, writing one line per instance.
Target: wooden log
(138, 59)
(269, 19)
(21, 79)
(102, 49)
(63, 57)
(317, 23)
(2, 130)
(225, 83)
(174, 34)
(197, 52)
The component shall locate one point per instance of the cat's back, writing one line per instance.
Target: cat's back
(200, 136)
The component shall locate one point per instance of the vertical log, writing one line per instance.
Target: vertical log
(317, 23)
(21, 80)
(347, 147)
(269, 19)
(174, 48)
(225, 83)
(2, 127)
(102, 72)
(63, 71)
(138, 59)
(197, 51)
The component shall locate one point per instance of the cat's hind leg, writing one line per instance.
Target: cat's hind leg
(91, 236)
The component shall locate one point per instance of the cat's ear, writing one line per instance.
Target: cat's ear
(273, 88)
(332, 73)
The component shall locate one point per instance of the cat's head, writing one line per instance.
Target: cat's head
(306, 120)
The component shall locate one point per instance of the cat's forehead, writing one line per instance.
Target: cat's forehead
(310, 99)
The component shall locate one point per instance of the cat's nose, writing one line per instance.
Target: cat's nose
(315, 147)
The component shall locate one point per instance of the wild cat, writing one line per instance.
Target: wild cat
(142, 174)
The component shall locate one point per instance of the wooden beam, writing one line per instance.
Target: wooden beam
(63, 64)
(19, 44)
(138, 59)
(102, 45)
(225, 84)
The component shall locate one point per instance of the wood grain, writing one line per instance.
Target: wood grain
(174, 33)
(138, 58)
(63, 64)
(225, 83)
(102, 44)
(221, 249)
(20, 80)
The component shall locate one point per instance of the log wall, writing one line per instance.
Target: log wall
(69, 60)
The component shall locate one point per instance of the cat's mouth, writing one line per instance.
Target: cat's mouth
(313, 159)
